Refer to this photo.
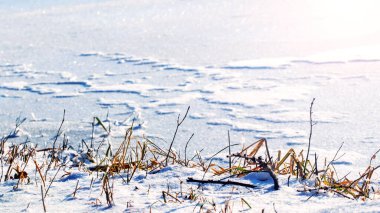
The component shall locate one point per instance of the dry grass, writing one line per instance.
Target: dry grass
(139, 154)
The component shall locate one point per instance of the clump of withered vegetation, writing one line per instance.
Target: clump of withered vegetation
(135, 154)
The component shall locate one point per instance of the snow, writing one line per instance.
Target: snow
(250, 67)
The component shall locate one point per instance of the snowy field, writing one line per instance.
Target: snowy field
(248, 67)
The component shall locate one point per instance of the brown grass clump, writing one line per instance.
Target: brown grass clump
(295, 164)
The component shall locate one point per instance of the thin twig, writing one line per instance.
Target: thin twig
(51, 182)
(267, 149)
(76, 189)
(187, 143)
(316, 164)
(229, 151)
(332, 160)
(167, 193)
(92, 133)
(310, 134)
(236, 144)
(55, 140)
(179, 123)
(228, 182)
(209, 165)
(374, 156)
(43, 198)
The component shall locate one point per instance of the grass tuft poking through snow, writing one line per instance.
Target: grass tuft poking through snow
(139, 175)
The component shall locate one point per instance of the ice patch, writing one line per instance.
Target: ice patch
(166, 112)
(337, 56)
(258, 98)
(9, 96)
(200, 115)
(249, 127)
(91, 54)
(139, 89)
(296, 117)
(67, 76)
(177, 100)
(264, 63)
(68, 83)
(219, 122)
(67, 95)
(132, 105)
(35, 119)
(16, 85)
(42, 90)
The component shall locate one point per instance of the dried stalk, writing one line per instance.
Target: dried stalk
(179, 123)
(228, 182)
(310, 134)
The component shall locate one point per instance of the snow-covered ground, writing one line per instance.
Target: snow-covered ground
(251, 67)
